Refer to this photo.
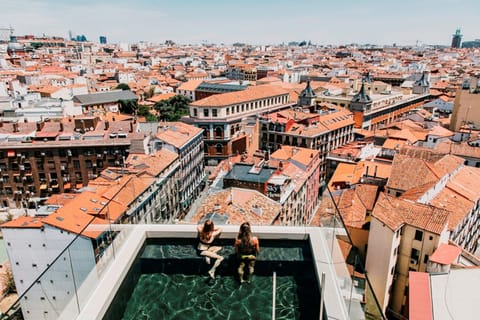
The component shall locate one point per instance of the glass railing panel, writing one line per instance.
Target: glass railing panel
(348, 260)
(64, 287)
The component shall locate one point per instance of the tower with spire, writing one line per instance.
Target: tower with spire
(307, 97)
(422, 85)
(361, 101)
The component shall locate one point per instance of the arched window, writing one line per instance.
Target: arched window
(218, 132)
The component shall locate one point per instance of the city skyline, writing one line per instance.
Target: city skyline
(266, 22)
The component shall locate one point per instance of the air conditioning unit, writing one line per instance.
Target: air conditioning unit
(413, 261)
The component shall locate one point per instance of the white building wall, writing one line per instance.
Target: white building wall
(382, 242)
(30, 251)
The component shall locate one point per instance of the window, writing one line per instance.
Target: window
(418, 235)
(195, 112)
(214, 112)
(425, 258)
(415, 254)
(205, 112)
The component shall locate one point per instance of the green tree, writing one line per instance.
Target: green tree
(128, 106)
(173, 108)
(150, 92)
(8, 282)
(144, 111)
(122, 86)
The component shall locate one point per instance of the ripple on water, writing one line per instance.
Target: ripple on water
(191, 297)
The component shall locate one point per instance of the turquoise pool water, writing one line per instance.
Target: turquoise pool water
(168, 281)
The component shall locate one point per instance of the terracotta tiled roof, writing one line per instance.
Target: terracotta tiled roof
(351, 208)
(409, 172)
(177, 133)
(395, 212)
(24, 222)
(190, 85)
(151, 164)
(446, 254)
(460, 194)
(367, 193)
(303, 156)
(252, 93)
(239, 205)
(459, 149)
(160, 97)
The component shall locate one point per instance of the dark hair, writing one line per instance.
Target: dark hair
(207, 230)
(245, 233)
(208, 226)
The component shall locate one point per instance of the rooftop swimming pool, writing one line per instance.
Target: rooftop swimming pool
(168, 280)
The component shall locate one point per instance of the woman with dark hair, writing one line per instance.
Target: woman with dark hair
(207, 234)
(246, 248)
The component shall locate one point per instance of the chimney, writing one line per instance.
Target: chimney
(40, 125)
(375, 172)
(107, 125)
(131, 126)
(15, 127)
(61, 127)
(366, 173)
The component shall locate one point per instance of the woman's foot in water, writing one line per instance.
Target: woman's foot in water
(211, 274)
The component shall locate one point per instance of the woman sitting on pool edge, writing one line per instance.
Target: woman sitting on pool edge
(246, 248)
(207, 234)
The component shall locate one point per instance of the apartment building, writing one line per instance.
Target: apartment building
(301, 199)
(374, 104)
(43, 158)
(186, 141)
(328, 128)
(144, 191)
(441, 183)
(223, 118)
(289, 176)
(102, 102)
(403, 234)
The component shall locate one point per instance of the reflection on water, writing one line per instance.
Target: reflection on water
(168, 281)
(161, 296)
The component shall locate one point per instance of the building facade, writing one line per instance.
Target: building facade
(186, 141)
(43, 158)
(328, 128)
(223, 118)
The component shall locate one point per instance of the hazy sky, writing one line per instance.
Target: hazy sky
(249, 21)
